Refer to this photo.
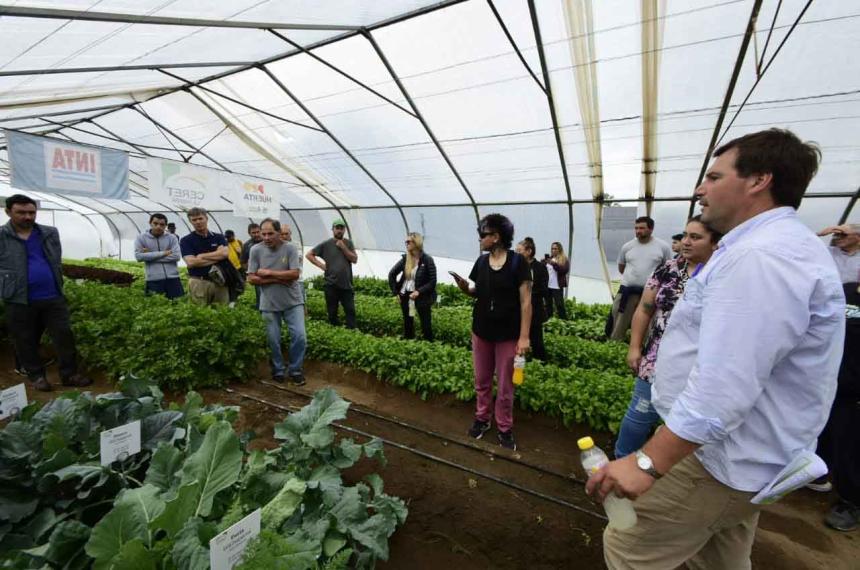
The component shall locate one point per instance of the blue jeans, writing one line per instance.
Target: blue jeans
(295, 319)
(638, 421)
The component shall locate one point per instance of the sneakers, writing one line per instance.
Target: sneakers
(41, 384)
(843, 516)
(279, 378)
(297, 380)
(506, 440)
(21, 372)
(820, 485)
(478, 429)
(77, 381)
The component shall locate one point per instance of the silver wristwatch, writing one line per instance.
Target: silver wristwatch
(645, 464)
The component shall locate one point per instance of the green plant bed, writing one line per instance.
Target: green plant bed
(594, 397)
(452, 326)
(193, 478)
(183, 345)
(448, 295)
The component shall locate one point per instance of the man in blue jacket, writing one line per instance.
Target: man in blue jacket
(159, 251)
(31, 285)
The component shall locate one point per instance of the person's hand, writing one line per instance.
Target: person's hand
(340, 243)
(413, 295)
(523, 346)
(167, 252)
(462, 284)
(144, 249)
(846, 229)
(634, 358)
(622, 477)
(264, 272)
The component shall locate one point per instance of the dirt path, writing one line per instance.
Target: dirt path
(458, 520)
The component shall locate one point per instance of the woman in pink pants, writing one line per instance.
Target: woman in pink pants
(500, 324)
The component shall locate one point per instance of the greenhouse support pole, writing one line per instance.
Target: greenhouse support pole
(343, 73)
(727, 100)
(145, 153)
(554, 117)
(295, 174)
(847, 212)
(337, 141)
(514, 45)
(366, 33)
(237, 101)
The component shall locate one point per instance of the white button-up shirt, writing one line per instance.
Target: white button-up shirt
(747, 366)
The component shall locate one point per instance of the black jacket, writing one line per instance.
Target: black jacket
(425, 279)
(540, 288)
(13, 261)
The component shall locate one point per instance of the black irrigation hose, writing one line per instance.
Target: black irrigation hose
(441, 436)
(434, 458)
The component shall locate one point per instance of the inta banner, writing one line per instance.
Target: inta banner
(50, 165)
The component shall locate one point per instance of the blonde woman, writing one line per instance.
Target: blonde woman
(413, 278)
(558, 266)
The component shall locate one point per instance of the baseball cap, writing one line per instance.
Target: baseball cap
(338, 222)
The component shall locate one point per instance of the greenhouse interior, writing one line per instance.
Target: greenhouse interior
(571, 118)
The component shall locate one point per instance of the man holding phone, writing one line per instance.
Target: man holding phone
(844, 248)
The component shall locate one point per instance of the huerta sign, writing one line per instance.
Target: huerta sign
(46, 164)
(253, 198)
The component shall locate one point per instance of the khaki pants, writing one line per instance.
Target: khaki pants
(204, 292)
(621, 321)
(687, 516)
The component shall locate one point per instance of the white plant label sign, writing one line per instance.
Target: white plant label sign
(120, 442)
(12, 400)
(227, 548)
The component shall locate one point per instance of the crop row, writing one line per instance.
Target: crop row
(120, 330)
(452, 325)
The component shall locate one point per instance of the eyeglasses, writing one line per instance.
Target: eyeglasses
(482, 235)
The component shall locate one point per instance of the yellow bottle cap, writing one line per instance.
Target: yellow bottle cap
(585, 443)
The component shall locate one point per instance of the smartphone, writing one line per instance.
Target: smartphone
(546, 256)
(455, 276)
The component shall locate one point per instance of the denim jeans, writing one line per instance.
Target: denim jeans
(638, 421)
(295, 319)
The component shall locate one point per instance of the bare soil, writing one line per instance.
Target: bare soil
(460, 520)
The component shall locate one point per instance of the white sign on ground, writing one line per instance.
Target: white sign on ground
(120, 442)
(12, 400)
(227, 548)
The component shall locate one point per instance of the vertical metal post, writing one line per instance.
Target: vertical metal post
(366, 33)
(555, 128)
(331, 135)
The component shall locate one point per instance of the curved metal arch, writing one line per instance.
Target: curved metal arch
(382, 57)
(336, 140)
(298, 177)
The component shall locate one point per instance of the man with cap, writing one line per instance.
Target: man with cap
(335, 257)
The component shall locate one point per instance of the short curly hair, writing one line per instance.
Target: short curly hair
(499, 224)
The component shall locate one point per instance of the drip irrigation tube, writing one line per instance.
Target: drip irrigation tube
(441, 436)
(433, 458)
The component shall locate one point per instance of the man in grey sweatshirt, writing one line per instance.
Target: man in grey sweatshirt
(159, 251)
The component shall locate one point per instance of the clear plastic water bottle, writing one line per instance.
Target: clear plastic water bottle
(411, 307)
(620, 511)
(519, 369)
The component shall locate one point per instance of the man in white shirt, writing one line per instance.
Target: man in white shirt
(845, 250)
(746, 371)
(638, 259)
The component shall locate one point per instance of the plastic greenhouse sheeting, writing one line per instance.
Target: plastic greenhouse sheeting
(416, 115)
